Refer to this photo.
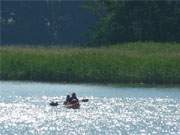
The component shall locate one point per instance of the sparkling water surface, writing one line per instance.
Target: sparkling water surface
(111, 110)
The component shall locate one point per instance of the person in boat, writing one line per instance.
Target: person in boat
(74, 98)
(74, 102)
(67, 99)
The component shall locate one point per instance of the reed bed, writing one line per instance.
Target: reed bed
(151, 63)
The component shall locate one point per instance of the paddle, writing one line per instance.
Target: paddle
(52, 103)
(84, 100)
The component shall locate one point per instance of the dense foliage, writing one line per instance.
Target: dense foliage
(122, 63)
(44, 22)
(123, 21)
(66, 22)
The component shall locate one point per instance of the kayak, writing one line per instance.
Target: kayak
(69, 105)
(72, 105)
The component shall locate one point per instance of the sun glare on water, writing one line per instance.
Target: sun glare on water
(33, 115)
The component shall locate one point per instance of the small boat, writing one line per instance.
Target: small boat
(53, 103)
(75, 105)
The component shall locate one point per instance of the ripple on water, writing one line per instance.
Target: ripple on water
(33, 115)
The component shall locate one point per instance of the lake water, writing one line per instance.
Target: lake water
(111, 110)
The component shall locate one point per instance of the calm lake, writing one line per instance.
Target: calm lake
(111, 110)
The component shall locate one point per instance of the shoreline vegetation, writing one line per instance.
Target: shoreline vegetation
(133, 63)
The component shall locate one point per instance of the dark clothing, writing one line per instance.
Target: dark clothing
(68, 99)
(73, 98)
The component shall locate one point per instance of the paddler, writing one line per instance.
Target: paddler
(67, 99)
(74, 98)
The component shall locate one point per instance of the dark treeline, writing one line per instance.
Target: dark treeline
(68, 22)
(148, 20)
(44, 22)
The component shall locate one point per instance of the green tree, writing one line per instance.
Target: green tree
(124, 21)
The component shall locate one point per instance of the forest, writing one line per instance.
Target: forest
(100, 41)
(92, 23)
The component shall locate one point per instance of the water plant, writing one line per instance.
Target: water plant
(121, 63)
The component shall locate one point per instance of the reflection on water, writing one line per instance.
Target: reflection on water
(21, 114)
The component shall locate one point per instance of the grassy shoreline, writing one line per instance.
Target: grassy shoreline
(149, 63)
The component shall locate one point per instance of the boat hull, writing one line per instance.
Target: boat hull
(72, 105)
